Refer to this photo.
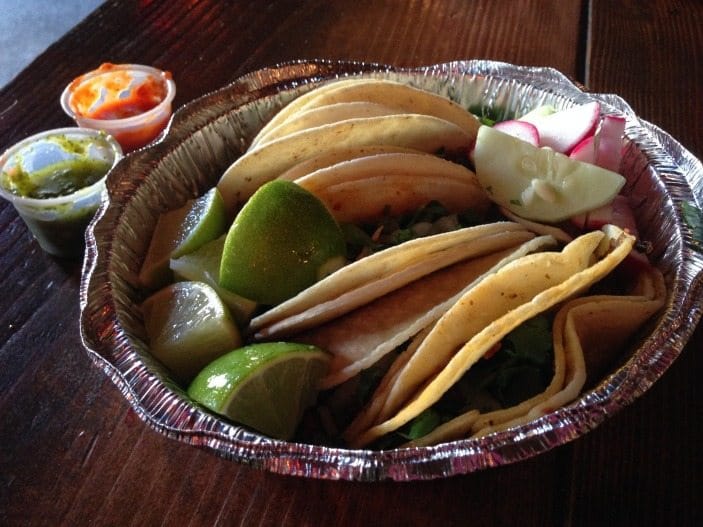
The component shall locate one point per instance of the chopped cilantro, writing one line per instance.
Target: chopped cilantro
(516, 202)
(389, 231)
(521, 369)
(402, 236)
(490, 115)
(515, 384)
(531, 341)
(356, 239)
(422, 425)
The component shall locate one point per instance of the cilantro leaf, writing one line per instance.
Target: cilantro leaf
(531, 341)
(422, 425)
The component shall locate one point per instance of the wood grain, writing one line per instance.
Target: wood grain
(72, 452)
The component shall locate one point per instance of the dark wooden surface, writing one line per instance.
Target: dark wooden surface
(71, 450)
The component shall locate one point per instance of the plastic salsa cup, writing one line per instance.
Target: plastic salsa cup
(55, 180)
(131, 102)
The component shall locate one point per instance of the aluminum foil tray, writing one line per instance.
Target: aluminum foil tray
(205, 136)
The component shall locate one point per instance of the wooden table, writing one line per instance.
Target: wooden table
(71, 450)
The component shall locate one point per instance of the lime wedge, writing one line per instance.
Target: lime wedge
(538, 183)
(282, 241)
(188, 326)
(180, 232)
(265, 386)
(203, 265)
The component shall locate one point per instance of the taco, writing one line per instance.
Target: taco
(365, 189)
(359, 339)
(370, 278)
(296, 104)
(396, 96)
(588, 334)
(321, 115)
(268, 161)
(483, 316)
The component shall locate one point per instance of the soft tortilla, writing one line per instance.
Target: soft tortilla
(588, 334)
(385, 92)
(373, 276)
(372, 199)
(296, 104)
(386, 164)
(260, 165)
(426, 320)
(369, 188)
(612, 246)
(338, 155)
(361, 338)
(322, 115)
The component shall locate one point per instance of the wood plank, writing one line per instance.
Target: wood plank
(650, 54)
(642, 51)
(418, 32)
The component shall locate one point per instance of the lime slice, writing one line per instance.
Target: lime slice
(203, 265)
(180, 232)
(188, 326)
(265, 386)
(539, 183)
(282, 241)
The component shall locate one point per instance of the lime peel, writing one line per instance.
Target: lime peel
(281, 242)
(182, 231)
(266, 386)
(203, 265)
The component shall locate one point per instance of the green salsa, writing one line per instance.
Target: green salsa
(62, 237)
(60, 178)
(45, 175)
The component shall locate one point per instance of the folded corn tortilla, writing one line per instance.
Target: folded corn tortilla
(391, 94)
(452, 347)
(321, 115)
(268, 161)
(336, 155)
(376, 275)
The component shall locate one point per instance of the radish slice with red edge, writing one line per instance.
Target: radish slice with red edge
(617, 212)
(564, 129)
(585, 151)
(610, 139)
(520, 129)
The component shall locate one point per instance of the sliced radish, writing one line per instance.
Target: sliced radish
(609, 150)
(635, 263)
(585, 151)
(617, 212)
(538, 183)
(520, 129)
(564, 129)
